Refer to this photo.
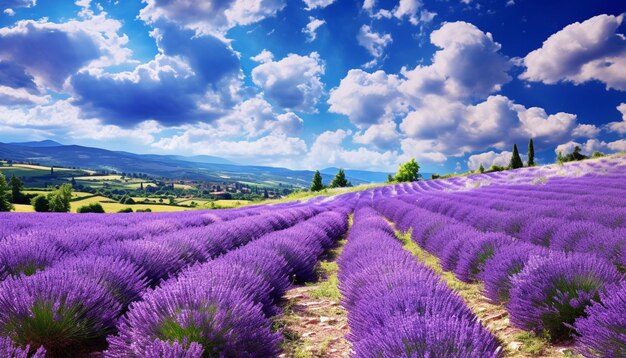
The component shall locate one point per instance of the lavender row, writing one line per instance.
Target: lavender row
(90, 291)
(547, 291)
(159, 253)
(397, 307)
(552, 232)
(610, 212)
(222, 307)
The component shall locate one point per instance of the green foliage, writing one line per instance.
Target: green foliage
(125, 210)
(598, 155)
(408, 171)
(496, 168)
(481, 169)
(40, 203)
(531, 153)
(63, 329)
(435, 176)
(146, 210)
(390, 178)
(17, 185)
(127, 200)
(59, 200)
(516, 160)
(316, 184)
(5, 204)
(571, 157)
(91, 208)
(340, 181)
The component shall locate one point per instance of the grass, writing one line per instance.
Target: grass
(23, 208)
(530, 344)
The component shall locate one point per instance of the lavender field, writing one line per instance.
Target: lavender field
(544, 246)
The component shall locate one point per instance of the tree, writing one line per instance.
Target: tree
(516, 161)
(266, 195)
(531, 153)
(390, 178)
(91, 208)
(141, 186)
(59, 200)
(73, 182)
(316, 184)
(5, 203)
(576, 155)
(559, 158)
(51, 170)
(408, 171)
(17, 185)
(597, 155)
(40, 203)
(340, 181)
(481, 169)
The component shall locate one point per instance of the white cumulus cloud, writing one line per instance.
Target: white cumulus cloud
(589, 51)
(293, 82)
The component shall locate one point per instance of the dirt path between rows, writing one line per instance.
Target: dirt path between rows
(516, 343)
(313, 322)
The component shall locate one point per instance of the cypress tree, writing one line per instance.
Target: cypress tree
(481, 169)
(516, 161)
(531, 153)
(340, 181)
(316, 184)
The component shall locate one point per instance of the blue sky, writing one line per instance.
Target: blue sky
(360, 84)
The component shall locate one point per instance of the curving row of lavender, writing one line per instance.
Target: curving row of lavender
(398, 307)
(66, 294)
(557, 269)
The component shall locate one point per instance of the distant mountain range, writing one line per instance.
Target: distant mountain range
(202, 167)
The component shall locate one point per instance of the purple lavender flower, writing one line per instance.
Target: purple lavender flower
(62, 311)
(552, 291)
(437, 336)
(9, 349)
(506, 262)
(601, 332)
(121, 278)
(223, 320)
(476, 252)
(26, 254)
(162, 349)
(157, 260)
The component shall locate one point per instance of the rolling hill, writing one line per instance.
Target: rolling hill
(208, 168)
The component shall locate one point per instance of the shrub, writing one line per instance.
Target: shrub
(66, 313)
(91, 208)
(551, 292)
(26, 254)
(438, 336)
(223, 321)
(125, 210)
(59, 200)
(450, 254)
(601, 332)
(475, 254)
(146, 210)
(40, 203)
(122, 279)
(506, 262)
